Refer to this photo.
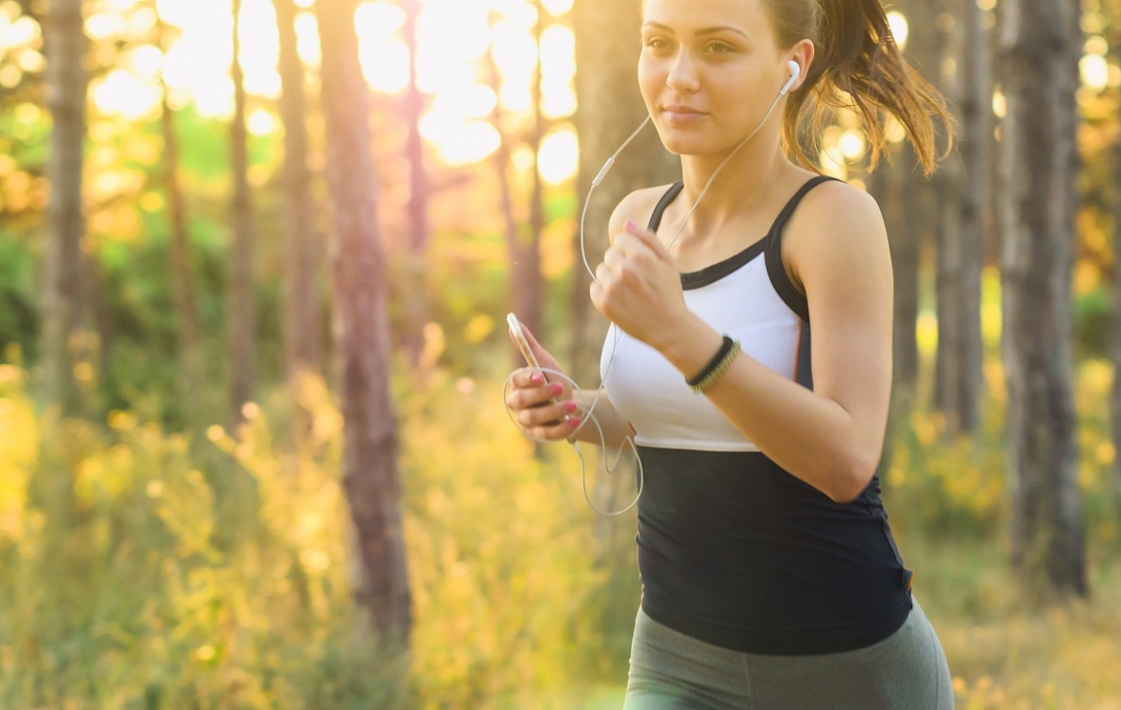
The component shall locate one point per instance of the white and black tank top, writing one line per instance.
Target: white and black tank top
(732, 549)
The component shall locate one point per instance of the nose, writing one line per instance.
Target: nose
(682, 75)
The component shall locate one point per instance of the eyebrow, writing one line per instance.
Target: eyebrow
(701, 32)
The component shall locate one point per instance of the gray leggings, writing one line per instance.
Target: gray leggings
(673, 671)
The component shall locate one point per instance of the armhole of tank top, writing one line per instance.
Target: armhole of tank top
(776, 270)
(659, 209)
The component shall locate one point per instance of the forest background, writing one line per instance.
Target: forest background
(253, 449)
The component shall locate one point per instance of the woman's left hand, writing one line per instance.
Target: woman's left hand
(638, 286)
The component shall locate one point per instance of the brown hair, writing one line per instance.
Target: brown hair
(859, 67)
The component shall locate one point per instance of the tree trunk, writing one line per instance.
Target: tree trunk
(916, 217)
(610, 108)
(361, 327)
(1040, 46)
(420, 192)
(961, 237)
(524, 260)
(528, 284)
(182, 277)
(302, 248)
(66, 98)
(240, 316)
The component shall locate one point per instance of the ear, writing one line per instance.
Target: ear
(802, 53)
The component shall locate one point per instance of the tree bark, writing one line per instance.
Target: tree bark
(610, 107)
(1040, 47)
(915, 218)
(962, 234)
(182, 276)
(240, 316)
(303, 253)
(67, 81)
(420, 192)
(370, 445)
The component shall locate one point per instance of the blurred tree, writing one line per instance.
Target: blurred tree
(302, 245)
(370, 437)
(1040, 47)
(182, 273)
(609, 108)
(915, 219)
(240, 309)
(420, 192)
(523, 240)
(962, 234)
(65, 45)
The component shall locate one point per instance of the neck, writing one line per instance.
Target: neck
(742, 183)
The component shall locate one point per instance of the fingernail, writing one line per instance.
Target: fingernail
(573, 422)
(632, 226)
(536, 378)
(570, 407)
(557, 388)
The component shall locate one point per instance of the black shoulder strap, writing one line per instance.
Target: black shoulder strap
(671, 194)
(775, 269)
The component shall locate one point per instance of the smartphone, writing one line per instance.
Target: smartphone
(519, 338)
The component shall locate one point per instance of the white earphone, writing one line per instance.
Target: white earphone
(795, 72)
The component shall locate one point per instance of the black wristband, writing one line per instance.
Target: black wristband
(725, 348)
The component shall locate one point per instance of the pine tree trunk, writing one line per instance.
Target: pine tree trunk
(917, 216)
(961, 237)
(1115, 334)
(302, 248)
(370, 445)
(182, 277)
(240, 315)
(1040, 46)
(65, 42)
(420, 192)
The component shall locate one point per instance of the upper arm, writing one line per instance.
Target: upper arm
(837, 250)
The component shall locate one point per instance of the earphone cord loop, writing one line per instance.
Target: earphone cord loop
(610, 466)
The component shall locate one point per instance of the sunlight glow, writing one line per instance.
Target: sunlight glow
(453, 36)
(559, 157)
(1095, 71)
(900, 29)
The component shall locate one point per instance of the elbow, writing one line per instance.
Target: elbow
(850, 478)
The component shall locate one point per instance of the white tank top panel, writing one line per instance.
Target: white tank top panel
(747, 297)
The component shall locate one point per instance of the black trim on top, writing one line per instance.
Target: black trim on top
(671, 195)
(790, 295)
(771, 244)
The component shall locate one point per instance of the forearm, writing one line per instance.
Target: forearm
(808, 434)
(615, 428)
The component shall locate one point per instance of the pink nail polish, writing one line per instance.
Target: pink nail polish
(557, 388)
(632, 226)
(536, 378)
(573, 422)
(570, 407)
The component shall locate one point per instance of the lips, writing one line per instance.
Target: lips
(680, 114)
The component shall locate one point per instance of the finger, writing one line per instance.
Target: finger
(548, 415)
(647, 238)
(556, 432)
(531, 396)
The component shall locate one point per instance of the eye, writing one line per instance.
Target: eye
(719, 47)
(657, 43)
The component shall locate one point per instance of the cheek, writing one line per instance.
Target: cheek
(650, 81)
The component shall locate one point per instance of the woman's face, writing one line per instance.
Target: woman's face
(709, 71)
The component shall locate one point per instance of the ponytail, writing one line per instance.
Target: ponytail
(858, 67)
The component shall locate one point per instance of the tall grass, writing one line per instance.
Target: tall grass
(145, 568)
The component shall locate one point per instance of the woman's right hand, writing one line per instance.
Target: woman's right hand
(541, 403)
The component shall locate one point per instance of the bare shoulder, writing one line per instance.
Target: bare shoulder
(637, 207)
(836, 223)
